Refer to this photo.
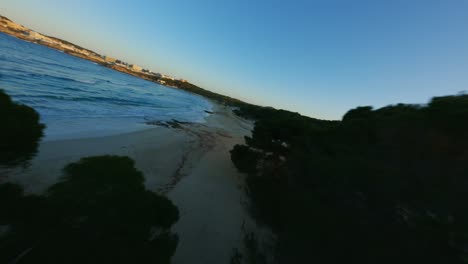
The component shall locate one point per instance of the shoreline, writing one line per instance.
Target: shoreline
(83, 53)
(150, 136)
(108, 127)
(189, 163)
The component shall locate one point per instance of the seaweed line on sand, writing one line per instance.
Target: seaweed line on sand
(204, 141)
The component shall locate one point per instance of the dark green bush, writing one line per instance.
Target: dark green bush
(99, 213)
(244, 158)
(20, 132)
(381, 186)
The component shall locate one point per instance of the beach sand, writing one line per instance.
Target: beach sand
(190, 164)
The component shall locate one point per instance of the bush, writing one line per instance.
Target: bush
(244, 158)
(381, 186)
(20, 132)
(99, 213)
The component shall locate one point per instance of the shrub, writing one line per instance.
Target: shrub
(20, 132)
(99, 213)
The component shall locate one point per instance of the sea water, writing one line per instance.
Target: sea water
(79, 98)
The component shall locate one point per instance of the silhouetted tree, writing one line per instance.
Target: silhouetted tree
(20, 132)
(381, 186)
(99, 213)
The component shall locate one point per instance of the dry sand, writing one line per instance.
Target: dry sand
(190, 164)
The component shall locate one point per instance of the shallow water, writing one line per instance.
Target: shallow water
(78, 98)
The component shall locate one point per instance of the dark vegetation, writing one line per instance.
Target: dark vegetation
(186, 86)
(99, 213)
(381, 186)
(20, 132)
(252, 253)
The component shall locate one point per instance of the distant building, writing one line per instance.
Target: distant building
(35, 35)
(135, 67)
(109, 59)
(167, 77)
(68, 47)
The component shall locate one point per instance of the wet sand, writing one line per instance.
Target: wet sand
(190, 164)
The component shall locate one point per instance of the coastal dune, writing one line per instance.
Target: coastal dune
(190, 163)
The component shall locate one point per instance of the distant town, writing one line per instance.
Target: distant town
(11, 28)
(16, 30)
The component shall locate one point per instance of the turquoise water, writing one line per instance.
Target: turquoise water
(78, 98)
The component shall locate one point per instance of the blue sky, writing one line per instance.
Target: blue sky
(319, 58)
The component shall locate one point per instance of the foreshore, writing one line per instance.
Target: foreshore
(190, 164)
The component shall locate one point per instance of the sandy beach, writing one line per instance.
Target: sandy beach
(190, 164)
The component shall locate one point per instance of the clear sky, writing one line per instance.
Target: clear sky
(319, 58)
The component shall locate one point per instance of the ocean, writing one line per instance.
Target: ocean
(77, 98)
